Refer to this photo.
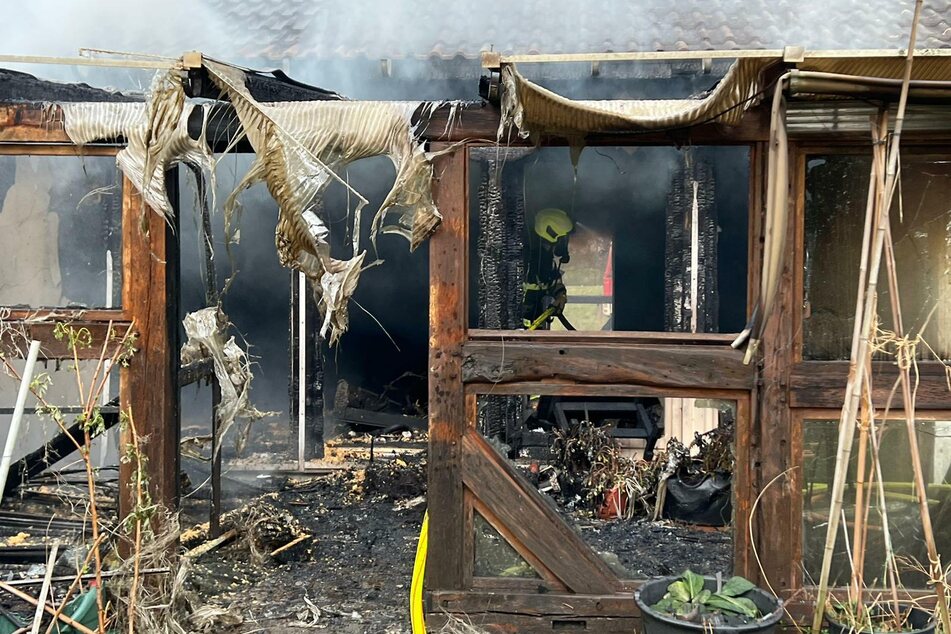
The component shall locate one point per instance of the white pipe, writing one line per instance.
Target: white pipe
(14, 430)
(104, 400)
(301, 370)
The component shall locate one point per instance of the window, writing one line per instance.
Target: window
(819, 454)
(835, 203)
(60, 231)
(600, 461)
(641, 238)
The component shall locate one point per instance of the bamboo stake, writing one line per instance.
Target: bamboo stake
(891, 564)
(858, 566)
(858, 532)
(860, 344)
(936, 570)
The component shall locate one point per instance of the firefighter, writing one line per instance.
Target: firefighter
(545, 294)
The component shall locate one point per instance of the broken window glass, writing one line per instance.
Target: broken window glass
(646, 481)
(632, 238)
(835, 204)
(901, 506)
(60, 231)
(495, 557)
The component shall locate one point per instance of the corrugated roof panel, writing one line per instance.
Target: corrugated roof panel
(421, 29)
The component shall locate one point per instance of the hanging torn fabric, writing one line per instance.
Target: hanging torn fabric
(206, 330)
(535, 110)
(300, 147)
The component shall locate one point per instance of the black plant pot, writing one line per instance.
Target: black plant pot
(658, 623)
(919, 622)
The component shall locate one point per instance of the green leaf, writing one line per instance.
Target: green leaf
(703, 596)
(737, 605)
(694, 583)
(736, 586)
(679, 591)
(666, 605)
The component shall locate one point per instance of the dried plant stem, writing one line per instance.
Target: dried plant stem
(72, 588)
(137, 550)
(905, 358)
(860, 342)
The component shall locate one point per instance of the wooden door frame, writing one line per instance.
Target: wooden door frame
(466, 475)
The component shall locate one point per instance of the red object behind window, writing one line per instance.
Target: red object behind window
(609, 273)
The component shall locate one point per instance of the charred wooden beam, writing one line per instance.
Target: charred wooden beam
(821, 385)
(59, 447)
(533, 521)
(196, 371)
(450, 557)
(699, 367)
(15, 335)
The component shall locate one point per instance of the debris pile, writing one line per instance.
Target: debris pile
(589, 470)
(362, 525)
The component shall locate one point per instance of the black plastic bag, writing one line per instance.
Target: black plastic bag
(707, 501)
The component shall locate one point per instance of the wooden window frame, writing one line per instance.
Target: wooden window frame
(817, 384)
(149, 385)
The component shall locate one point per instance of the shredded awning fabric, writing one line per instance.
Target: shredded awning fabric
(206, 331)
(536, 110)
(300, 148)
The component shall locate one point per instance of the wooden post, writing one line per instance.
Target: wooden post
(773, 435)
(150, 383)
(446, 562)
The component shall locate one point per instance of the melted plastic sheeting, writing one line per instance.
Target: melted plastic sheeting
(300, 147)
(206, 330)
(156, 134)
(536, 110)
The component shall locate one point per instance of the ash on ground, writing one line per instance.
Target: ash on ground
(351, 575)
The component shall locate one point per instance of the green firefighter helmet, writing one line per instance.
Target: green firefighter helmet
(552, 224)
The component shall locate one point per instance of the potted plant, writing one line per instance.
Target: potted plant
(873, 619)
(693, 603)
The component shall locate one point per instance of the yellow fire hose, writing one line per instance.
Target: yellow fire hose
(535, 325)
(416, 617)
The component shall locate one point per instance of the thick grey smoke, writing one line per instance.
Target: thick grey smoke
(303, 35)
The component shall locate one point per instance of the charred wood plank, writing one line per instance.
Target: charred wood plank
(495, 623)
(531, 519)
(354, 416)
(539, 605)
(821, 384)
(651, 365)
(59, 447)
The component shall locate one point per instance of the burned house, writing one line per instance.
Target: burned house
(716, 201)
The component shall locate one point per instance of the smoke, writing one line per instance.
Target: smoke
(419, 49)
(437, 42)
